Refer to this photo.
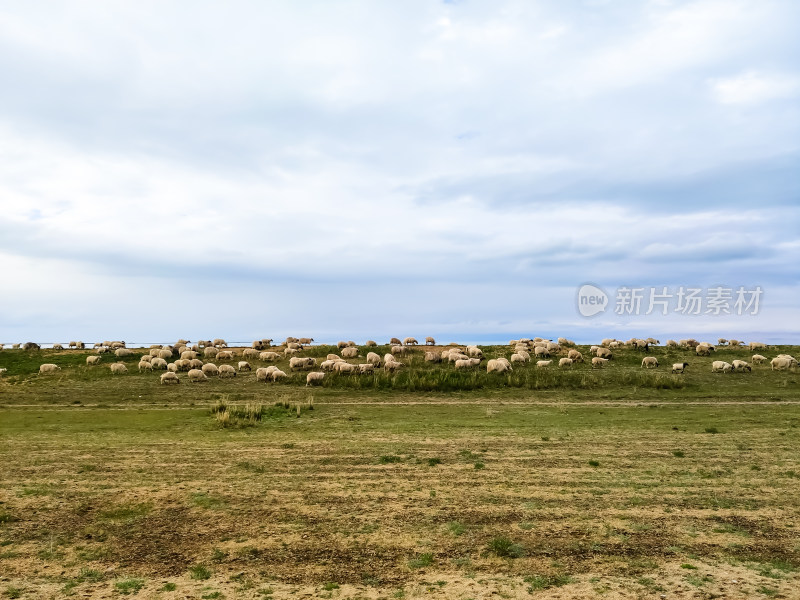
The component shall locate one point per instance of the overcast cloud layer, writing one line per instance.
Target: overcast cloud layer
(364, 169)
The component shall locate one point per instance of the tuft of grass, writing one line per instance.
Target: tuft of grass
(132, 585)
(13, 592)
(594, 463)
(200, 572)
(678, 453)
(479, 465)
(387, 459)
(205, 500)
(330, 585)
(711, 430)
(455, 528)
(688, 566)
(505, 548)
(545, 582)
(432, 462)
(422, 560)
(169, 587)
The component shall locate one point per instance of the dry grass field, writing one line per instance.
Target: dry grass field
(580, 484)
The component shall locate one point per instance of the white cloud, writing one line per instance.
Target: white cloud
(752, 88)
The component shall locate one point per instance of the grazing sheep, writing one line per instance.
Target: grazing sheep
(58, 347)
(721, 342)
(518, 358)
(182, 365)
(103, 350)
(291, 351)
(31, 346)
(392, 365)
(219, 343)
(474, 352)
(294, 346)
(454, 356)
(49, 368)
(720, 366)
(188, 354)
(672, 344)
(465, 363)
(649, 362)
(429, 341)
(344, 367)
(757, 346)
(704, 349)
(395, 342)
(553, 348)
(291, 340)
(15, 346)
(758, 359)
(196, 375)
(374, 359)
(349, 352)
(410, 341)
(371, 344)
(244, 366)
(195, 363)
(118, 368)
(366, 368)
(341, 344)
(166, 353)
(782, 363)
(269, 356)
(327, 365)
(226, 371)
(604, 353)
(277, 374)
(261, 374)
(225, 355)
(652, 341)
(575, 356)
(157, 363)
(679, 367)
(565, 362)
(302, 364)
(388, 357)
(208, 352)
(598, 362)
(315, 377)
(433, 357)
(498, 366)
(143, 364)
(541, 364)
(93, 360)
(169, 378)
(257, 345)
(541, 352)
(250, 353)
(305, 341)
(123, 352)
(735, 343)
(210, 369)
(741, 365)
(642, 345)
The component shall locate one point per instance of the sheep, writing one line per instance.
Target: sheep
(291, 351)
(269, 356)
(388, 357)
(119, 368)
(679, 367)
(277, 374)
(341, 344)
(169, 378)
(366, 368)
(302, 364)
(720, 366)
(642, 345)
(463, 363)
(172, 367)
(305, 341)
(757, 359)
(541, 364)
(649, 362)
(3, 370)
(474, 352)
(374, 359)
(116, 345)
(688, 343)
(454, 356)
(219, 343)
(294, 346)
(267, 342)
(757, 346)
(604, 353)
(196, 375)
(410, 341)
(157, 363)
(327, 365)
(575, 356)
(15, 346)
(315, 377)
(553, 348)
(433, 357)
(143, 364)
(782, 363)
(344, 367)
(721, 342)
(429, 341)
(735, 343)
(371, 344)
(257, 345)
(518, 358)
(182, 365)
(395, 342)
(226, 371)
(541, 352)
(225, 355)
(31, 346)
(400, 350)
(704, 349)
(565, 362)
(497, 366)
(188, 354)
(349, 352)
(195, 363)
(208, 352)
(291, 340)
(123, 352)
(250, 353)
(672, 344)
(58, 347)
(607, 341)
(167, 354)
(210, 369)
(653, 341)
(94, 360)
(741, 365)
(49, 368)
(261, 374)
(392, 365)
(244, 366)
(598, 362)
(70, 345)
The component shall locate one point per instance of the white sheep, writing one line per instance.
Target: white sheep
(782, 363)
(392, 365)
(157, 363)
(497, 366)
(720, 366)
(123, 352)
(195, 363)
(395, 342)
(297, 363)
(374, 359)
(219, 343)
(604, 353)
(244, 366)
(143, 364)
(226, 371)
(598, 362)
(757, 346)
(565, 362)
(541, 364)
(474, 352)
(250, 353)
(541, 352)
(672, 344)
(400, 350)
(327, 365)
(305, 341)
(225, 355)
(49, 368)
(209, 352)
(291, 351)
(315, 377)
(704, 349)
(757, 359)
(679, 367)
(349, 352)
(649, 362)
(188, 354)
(518, 358)
(166, 354)
(366, 368)
(371, 344)
(169, 378)
(277, 374)
(196, 375)
(210, 369)
(410, 341)
(429, 341)
(741, 365)
(269, 356)
(172, 367)
(93, 360)
(388, 357)
(575, 356)
(119, 368)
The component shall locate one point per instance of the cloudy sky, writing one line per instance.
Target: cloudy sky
(364, 169)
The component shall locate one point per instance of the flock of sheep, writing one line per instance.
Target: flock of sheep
(197, 360)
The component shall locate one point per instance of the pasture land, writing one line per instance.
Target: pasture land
(598, 484)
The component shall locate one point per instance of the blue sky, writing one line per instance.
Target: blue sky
(363, 169)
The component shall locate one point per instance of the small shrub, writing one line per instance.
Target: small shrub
(129, 586)
(711, 430)
(432, 462)
(13, 592)
(479, 465)
(330, 585)
(545, 582)
(423, 560)
(594, 463)
(504, 547)
(678, 453)
(169, 587)
(389, 459)
(199, 572)
(455, 528)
